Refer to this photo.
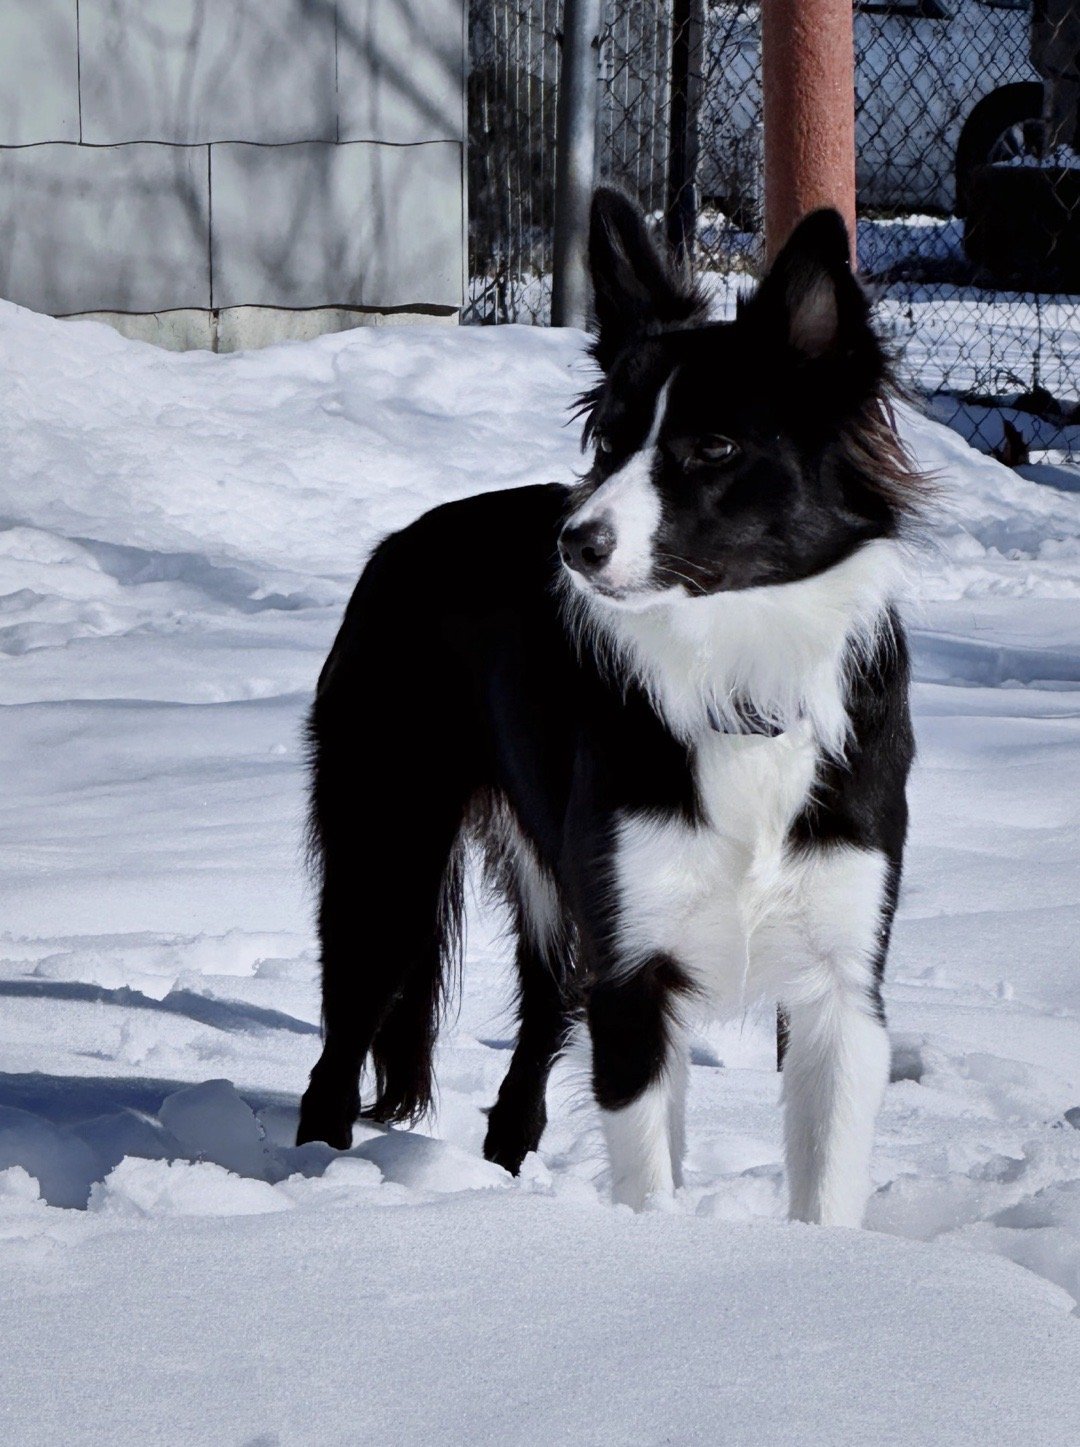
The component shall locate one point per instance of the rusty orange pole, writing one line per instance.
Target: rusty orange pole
(808, 75)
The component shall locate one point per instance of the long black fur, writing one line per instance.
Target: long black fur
(456, 698)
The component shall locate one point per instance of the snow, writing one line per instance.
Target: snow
(1061, 157)
(179, 534)
(744, 1334)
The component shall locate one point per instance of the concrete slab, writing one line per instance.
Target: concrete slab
(243, 328)
(188, 329)
(246, 328)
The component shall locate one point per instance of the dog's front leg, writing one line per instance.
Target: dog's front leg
(836, 1065)
(639, 1077)
(835, 1072)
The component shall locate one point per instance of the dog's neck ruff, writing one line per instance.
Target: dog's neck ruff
(757, 661)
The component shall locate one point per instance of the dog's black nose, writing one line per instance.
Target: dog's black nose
(587, 547)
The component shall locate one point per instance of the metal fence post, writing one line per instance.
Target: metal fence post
(687, 40)
(808, 81)
(575, 162)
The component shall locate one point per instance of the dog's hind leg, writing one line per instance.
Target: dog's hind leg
(519, 1115)
(383, 957)
(385, 826)
(355, 998)
(639, 1077)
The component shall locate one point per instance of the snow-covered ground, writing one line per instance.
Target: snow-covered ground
(179, 534)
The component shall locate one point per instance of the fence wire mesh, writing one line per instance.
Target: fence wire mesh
(968, 168)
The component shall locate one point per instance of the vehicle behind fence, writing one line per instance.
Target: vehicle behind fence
(968, 169)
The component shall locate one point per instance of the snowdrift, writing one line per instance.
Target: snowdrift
(179, 534)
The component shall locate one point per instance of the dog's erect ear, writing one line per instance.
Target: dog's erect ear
(809, 298)
(635, 290)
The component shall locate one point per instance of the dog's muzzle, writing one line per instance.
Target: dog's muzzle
(586, 547)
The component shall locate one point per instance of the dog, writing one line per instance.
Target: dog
(671, 706)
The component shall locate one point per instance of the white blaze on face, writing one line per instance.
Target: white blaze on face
(629, 504)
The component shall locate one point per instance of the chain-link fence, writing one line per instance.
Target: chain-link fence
(968, 153)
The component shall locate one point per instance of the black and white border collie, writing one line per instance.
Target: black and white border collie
(670, 704)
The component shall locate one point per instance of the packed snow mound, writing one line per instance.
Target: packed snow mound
(483, 1319)
(178, 535)
(293, 460)
(90, 1161)
(288, 461)
(155, 495)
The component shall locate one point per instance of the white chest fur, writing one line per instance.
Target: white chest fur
(725, 896)
(701, 892)
(784, 649)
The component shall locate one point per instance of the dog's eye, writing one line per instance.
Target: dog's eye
(603, 444)
(713, 451)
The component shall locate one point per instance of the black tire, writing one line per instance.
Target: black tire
(1010, 105)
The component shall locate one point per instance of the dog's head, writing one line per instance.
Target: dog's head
(730, 455)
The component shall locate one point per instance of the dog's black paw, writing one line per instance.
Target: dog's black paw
(513, 1131)
(325, 1120)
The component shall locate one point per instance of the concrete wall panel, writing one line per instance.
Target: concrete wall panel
(188, 71)
(39, 72)
(350, 225)
(401, 70)
(119, 229)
